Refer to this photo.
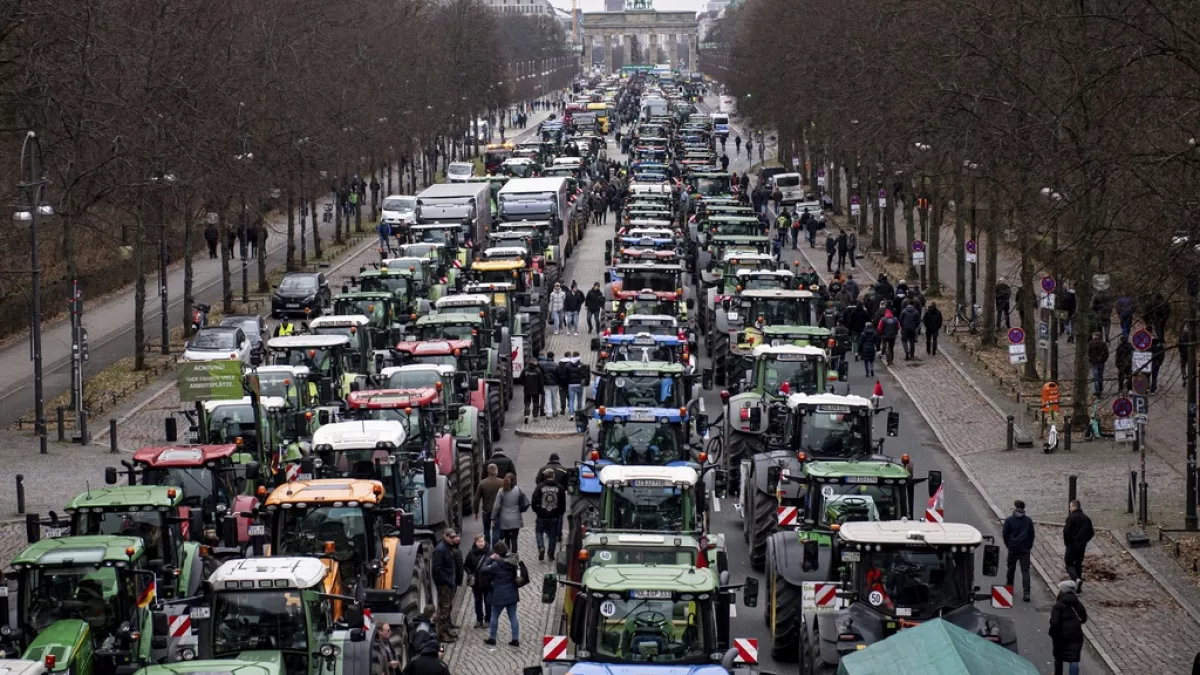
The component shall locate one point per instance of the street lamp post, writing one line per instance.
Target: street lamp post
(163, 179)
(923, 149)
(31, 182)
(1052, 348)
(972, 167)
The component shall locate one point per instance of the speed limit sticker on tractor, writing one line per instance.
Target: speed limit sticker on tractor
(608, 608)
(875, 598)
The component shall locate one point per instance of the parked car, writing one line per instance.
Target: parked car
(459, 172)
(399, 210)
(217, 343)
(254, 326)
(304, 294)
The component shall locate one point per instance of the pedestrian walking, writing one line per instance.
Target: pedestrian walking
(558, 473)
(549, 505)
(811, 226)
(489, 486)
(910, 325)
(532, 383)
(501, 576)
(255, 237)
(231, 239)
(737, 145)
(1066, 628)
(868, 344)
(1185, 350)
(1068, 303)
(1097, 355)
(385, 236)
(1003, 299)
(1158, 314)
(504, 464)
(1102, 309)
(830, 251)
(843, 244)
(777, 197)
(562, 373)
(511, 502)
(577, 379)
(594, 302)
(888, 329)
(1018, 539)
(477, 557)
(558, 298)
(572, 306)
(447, 577)
(212, 237)
(550, 382)
(724, 161)
(933, 327)
(1077, 533)
(1124, 363)
(852, 249)
(1158, 354)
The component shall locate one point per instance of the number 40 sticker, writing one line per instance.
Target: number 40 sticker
(608, 608)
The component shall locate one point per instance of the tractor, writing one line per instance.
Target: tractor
(480, 357)
(471, 390)
(526, 329)
(331, 361)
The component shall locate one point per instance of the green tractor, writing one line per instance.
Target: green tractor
(415, 281)
(381, 308)
(481, 357)
(495, 330)
(258, 426)
(752, 318)
(362, 336)
(84, 606)
(526, 328)
(331, 360)
(660, 619)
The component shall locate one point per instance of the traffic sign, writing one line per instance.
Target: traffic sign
(882, 193)
(854, 199)
(1141, 361)
(1016, 353)
(1141, 340)
(1043, 330)
(1141, 383)
(1141, 404)
(918, 246)
(971, 247)
(1016, 336)
(820, 173)
(1048, 284)
(1122, 407)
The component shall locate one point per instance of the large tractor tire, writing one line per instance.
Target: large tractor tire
(465, 465)
(721, 360)
(494, 427)
(760, 523)
(784, 616)
(495, 411)
(536, 331)
(418, 595)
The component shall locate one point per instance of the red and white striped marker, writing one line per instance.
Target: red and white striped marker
(934, 508)
(292, 472)
(787, 515)
(1002, 597)
(180, 625)
(825, 595)
(747, 650)
(554, 647)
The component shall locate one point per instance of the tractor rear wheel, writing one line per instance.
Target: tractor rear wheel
(495, 411)
(721, 360)
(465, 463)
(761, 524)
(783, 616)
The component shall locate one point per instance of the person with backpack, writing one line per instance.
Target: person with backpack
(504, 575)
(511, 502)
(558, 473)
(868, 344)
(888, 329)
(549, 504)
(477, 557)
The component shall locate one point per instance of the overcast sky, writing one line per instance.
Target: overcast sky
(666, 5)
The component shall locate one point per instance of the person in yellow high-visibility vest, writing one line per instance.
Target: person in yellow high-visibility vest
(285, 327)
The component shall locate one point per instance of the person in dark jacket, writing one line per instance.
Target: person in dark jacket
(562, 377)
(1097, 355)
(830, 251)
(910, 325)
(559, 473)
(477, 557)
(842, 243)
(1018, 537)
(1068, 303)
(504, 464)
(868, 344)
(549, 504)
(851, 287)
(572, 306)
(888, 329)
(855, 318)
(501, 575)
(212, 237)
(447, 577)
(1158, 354)
(1003, 303)
(933, 326)
(533, 384)
(594, 302)
(1077, 532)
(550, 381)
(883, 288)
(1066, 628)
(1124, 363)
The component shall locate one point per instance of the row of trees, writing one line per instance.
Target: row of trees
(153, 114)
(1069, 128)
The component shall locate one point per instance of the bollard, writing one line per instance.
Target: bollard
(1143, 505)
(62, 432)
(1132, 489)
(1067, 424)
(20, 493)
(1072, 485)
(1011, 433)
(83, 430)
(112, 435)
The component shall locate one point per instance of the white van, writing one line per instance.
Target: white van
(790, 186)
(720, 123)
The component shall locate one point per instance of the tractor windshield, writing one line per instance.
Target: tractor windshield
(196, 483)
(801, 376)
(834, 434)
(652, 325)
(655, 280)
(83, 592)
(315, 359)
(643, 353)
(305, 531)
(227, 423)
(365, 464)
(397, 286)
(258, 620)
(447, 331)
(711, 187)
(647, 507)
(650, 306)
(860, 502)
(649, 443)
(924, 581)
(659, 631)
(148, 525)
(275, 384)
(783, 312)
(641, 555)
(763, 282)
(417, 378)
(646, 391)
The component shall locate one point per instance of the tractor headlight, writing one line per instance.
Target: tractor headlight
(328, 651)
(187, 654)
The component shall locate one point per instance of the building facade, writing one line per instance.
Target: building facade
(530, 7)
(614, 5)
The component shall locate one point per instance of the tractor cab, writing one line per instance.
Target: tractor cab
(644, 348)
(651, 498)
(256, 430)
(741, 279)
(329, 358)
(294, 385)
(357, 328)
(637, 436)
(379, 306)
(634, 384)
(836, 427)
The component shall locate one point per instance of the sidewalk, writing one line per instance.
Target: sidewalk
(1136, 622)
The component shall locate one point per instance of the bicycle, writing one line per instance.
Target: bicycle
(961, 318)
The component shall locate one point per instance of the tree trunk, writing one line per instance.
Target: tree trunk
(988, 302)
(187, 271)
(139, 291)
(1026, 310)
(263, 237)
(960, 228)
(291, 231)
(315, 231)
(1085, 319)
(910, 230)
(226, 281)
(876, 216)
(935, 244)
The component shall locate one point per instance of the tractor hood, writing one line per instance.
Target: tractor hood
(61, 639)
(644, 669)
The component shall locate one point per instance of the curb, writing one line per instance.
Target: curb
(547, 434)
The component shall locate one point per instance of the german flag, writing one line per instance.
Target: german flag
(148, 595)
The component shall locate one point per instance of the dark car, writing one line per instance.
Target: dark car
(254, 326)
(304, 294)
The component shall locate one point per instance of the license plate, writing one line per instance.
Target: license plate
(648, 482)
(257, 530)
(199, 613)
(55, 532)
(733, 316)
(864, 480)
(650, 595)
(292, 304)
(303, 476)
(641, 416)
(903, 611)
(851, 556)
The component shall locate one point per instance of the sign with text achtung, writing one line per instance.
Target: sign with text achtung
(209, 380)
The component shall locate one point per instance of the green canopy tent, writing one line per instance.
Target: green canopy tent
(936, 647)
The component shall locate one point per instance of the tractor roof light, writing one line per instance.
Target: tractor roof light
(584, 555)
(354, 330)
(308, 415)
(129, 551)
(601, 410)
(261, 492)
(239, 441)
(312, 353)
(457, 352)
(724, 394)
(802, 456)
(171, 492)
(329, 547)
(904, 459)
(437, 385)
(703, 457)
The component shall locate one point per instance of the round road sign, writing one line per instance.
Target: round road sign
(971, 247)
(918, 246)
(1122, 407)
(1141, 384)
(854, 199)
(1048, 284)
(1141, 340)
(821, 173)
(882, 193)
(1016, 336)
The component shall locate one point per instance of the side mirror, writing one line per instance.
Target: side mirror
(229, 531)
(755, 417)
(893, 423)
(353, 615)
(160, 623)
(549, 589)
(812, 549)
(255, 359)
(701, 423)
(691, 303)
(750, 593)
(110, 475)
(595, 344)
(430, 471)
(706, 379)
(581, 421)
(531, 670)
(345, 288)
(472, 383)
(452, 412)
(935, 482)
(991, 560)
(407, 529)
(843, 371)
(354, 385)
(497, 334)
(608, 277)
(253, 470)
(172, 429)
(578, 620)
(323, 417)
(537, 281)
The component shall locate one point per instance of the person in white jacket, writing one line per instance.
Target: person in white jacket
(558, 298)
